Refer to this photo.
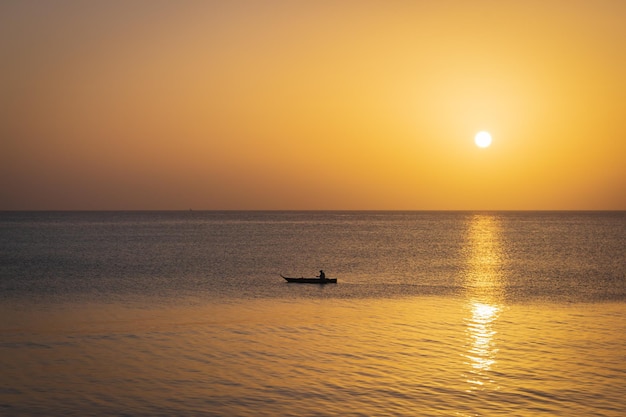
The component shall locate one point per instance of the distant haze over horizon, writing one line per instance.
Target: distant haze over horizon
(281, 105)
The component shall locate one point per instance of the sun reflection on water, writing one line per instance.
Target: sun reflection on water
(482, 350)
(483, 283)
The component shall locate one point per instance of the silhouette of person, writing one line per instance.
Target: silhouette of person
(322, 274)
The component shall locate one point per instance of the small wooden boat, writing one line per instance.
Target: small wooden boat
(311, 280)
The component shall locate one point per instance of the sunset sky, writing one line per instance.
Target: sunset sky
(312, 105)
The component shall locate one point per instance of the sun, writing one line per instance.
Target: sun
(482, 139)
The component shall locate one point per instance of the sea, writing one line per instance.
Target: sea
(185, 313)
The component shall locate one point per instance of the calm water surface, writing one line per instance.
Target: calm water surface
(463, 314)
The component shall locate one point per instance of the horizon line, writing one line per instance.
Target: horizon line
(309, 210)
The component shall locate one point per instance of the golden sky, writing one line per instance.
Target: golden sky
(312, 105)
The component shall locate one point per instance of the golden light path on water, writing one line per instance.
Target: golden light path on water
(483, 285)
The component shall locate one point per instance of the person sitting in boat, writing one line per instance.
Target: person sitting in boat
(322, 275)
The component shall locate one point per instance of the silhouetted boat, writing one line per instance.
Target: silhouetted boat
(311, 280)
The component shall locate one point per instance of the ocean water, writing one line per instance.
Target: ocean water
(434, 314)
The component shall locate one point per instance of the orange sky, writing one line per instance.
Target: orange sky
(312, 105)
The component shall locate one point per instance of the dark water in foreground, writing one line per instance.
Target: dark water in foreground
(184, 313)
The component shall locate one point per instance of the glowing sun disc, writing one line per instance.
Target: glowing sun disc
(482, 139)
